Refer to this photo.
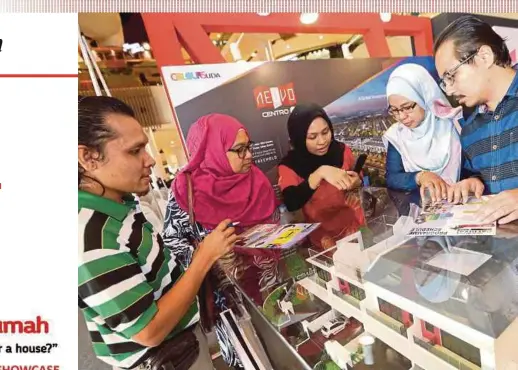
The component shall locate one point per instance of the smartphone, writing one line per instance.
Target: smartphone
(360, 162)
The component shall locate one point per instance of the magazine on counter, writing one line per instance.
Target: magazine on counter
(446, 219)
(275, 236)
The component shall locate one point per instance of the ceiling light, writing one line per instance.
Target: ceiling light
(321, 37)
(218, 35)
(386, 17)
(308, 18)
(288, 46)
(263, 14)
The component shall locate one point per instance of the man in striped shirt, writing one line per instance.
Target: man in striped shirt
(133, 293)
(476, 69)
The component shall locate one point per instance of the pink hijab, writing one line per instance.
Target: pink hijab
(218, 192)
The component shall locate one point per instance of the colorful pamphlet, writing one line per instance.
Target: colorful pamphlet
(443, 218)
(275, 236)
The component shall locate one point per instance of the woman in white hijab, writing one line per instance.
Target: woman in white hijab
(423, 146)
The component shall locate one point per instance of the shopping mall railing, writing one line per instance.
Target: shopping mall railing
(149, 103)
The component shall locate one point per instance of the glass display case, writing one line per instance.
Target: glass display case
(462, 278)
(429, 302)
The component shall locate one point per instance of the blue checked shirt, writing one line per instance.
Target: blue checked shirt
(490, 143)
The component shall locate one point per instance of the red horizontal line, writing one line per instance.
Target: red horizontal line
(38, 75)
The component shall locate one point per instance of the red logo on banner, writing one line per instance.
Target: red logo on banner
(275, 97)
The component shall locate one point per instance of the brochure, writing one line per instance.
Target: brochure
(275, 236)
(443, 218)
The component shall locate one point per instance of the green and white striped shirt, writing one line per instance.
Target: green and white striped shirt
(124, 269)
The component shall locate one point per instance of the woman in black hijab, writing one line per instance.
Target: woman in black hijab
(316, 175)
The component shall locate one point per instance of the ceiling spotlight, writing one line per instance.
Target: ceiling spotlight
(386, 17)
(321, 37)
(308, 18)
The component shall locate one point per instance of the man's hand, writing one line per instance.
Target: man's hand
(460, 191)
(218, 243)
(502, 208)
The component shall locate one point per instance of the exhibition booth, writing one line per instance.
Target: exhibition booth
(313, 310)
(387, 297)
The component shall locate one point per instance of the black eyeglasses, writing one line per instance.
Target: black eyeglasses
(395, 112)
(242, 150)
(448, 78)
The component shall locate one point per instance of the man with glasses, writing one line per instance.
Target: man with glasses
(476, 69)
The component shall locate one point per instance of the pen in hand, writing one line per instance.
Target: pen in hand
(204, 233)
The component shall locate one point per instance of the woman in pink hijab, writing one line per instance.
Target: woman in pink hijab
(226, 185)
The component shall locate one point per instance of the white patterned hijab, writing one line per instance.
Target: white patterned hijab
(434, 145)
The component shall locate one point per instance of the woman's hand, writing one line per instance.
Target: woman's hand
(355, 178)
(340, 179)
(437, 187)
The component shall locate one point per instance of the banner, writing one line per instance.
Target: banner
(262, 95)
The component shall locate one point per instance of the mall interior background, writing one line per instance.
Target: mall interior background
(121, 46)
(125, 56)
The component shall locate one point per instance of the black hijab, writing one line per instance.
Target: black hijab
(299, 159)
